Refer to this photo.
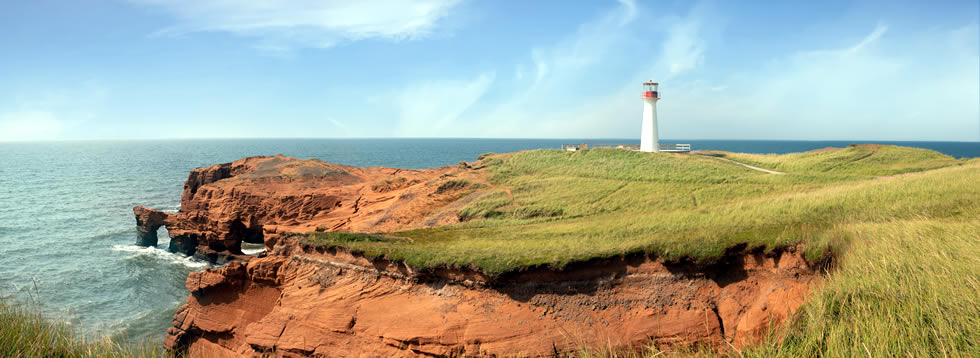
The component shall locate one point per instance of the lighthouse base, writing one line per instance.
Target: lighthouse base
(649, 140)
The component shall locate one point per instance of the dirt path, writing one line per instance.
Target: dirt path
(742, 164)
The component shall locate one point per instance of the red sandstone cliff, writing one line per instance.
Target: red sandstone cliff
(300, 301)
(257, 198)
(296, 300)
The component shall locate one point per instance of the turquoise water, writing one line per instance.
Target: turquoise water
(66, 220)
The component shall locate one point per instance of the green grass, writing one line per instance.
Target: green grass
(343, 238)
(389, 184)
(26, 333)
(551, 207)
(856, 160)
(487, 207)
(453, 185)
(907, 288)
(903, 288)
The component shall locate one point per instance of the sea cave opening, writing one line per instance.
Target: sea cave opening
(164, 233)
(252, 240)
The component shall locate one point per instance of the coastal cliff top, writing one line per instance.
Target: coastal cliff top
(548, 208)
(552, 208)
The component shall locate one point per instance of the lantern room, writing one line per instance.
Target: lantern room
(650, 90)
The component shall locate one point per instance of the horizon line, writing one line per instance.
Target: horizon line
(860, 141)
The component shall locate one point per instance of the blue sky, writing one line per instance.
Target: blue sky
(863, 70)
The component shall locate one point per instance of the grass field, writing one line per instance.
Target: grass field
(25, 333)
(857, 160)
(549, 207)
(908, 288)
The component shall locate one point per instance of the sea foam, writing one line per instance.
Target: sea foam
(161, 254)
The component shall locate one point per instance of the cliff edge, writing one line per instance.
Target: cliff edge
(303, 301)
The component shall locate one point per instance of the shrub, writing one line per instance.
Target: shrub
(452, 185)
(24, 332)
(389, 184)
(534, 211)
(485, 207)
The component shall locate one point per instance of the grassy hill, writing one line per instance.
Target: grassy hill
(550, 207)
(907, 288)
(856, 160)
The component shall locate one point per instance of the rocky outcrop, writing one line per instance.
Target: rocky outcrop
(303, 301)
(257, 198)
(148, 221)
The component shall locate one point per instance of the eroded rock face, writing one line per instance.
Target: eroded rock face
(306, 302)
(257, 198)
(148, 221)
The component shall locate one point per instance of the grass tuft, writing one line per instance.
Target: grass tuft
(389, 184)
(529, 212)
(24, 332)
(488, 206)
(452, 185)
(903, 288)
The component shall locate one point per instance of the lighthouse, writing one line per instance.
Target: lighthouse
(649, 142)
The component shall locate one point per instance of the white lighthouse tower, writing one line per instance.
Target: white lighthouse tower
(649, 142)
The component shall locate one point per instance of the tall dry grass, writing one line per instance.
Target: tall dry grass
(25, 332)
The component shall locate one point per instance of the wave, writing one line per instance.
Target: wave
(252, 249)
(158, 253)
(252, 252)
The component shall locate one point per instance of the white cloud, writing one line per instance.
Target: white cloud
(594, 41)
(535, 101)
(29, 126)
(871, 38)
(921, 85)
(337, 123)
(580, 88)
(683, 50)
(431, 109)
(280, 24)
(629, 7)
(52, 113)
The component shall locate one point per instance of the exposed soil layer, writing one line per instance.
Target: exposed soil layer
(301, 301)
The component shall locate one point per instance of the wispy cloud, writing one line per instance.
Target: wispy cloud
(683, 49)
(52, 114)
(629, 8)
(871, 38)
(536, 104)
(879, 85)
(281, 24)
(919, 86)
(29, 126)
(580, 88)
(431, 108)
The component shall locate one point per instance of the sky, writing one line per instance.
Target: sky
(793, 70)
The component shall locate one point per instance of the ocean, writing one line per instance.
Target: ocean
(67, 230)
